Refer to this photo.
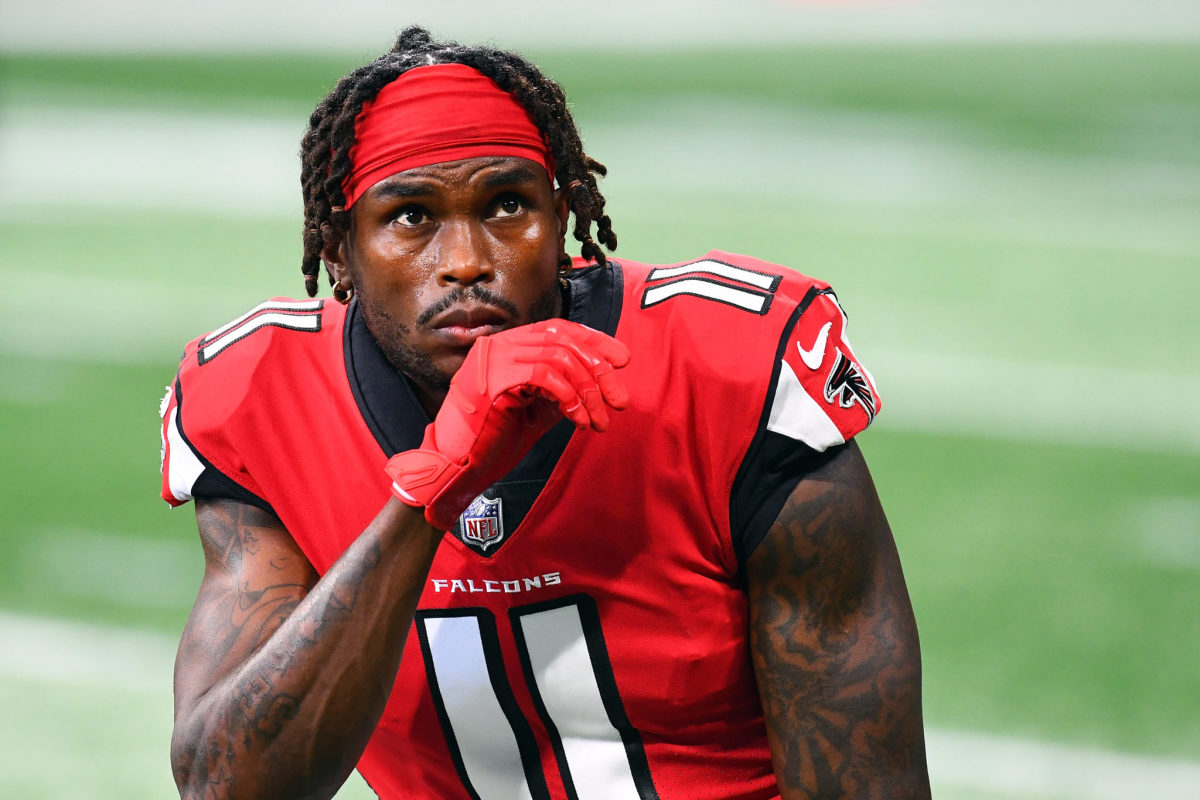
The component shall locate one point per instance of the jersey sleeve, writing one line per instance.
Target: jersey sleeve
(186, 473)
(821, 396)
(209, 411)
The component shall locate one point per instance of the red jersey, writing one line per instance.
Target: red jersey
(584, 629)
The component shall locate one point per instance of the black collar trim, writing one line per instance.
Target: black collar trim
(385, 398)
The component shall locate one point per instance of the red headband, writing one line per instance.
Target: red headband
(438, 113)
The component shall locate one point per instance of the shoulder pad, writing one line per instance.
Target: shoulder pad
(733, 308)
(737, 306)
(211, 400)
(823, 395)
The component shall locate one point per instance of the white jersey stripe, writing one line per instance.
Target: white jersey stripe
(742, 298)
(566, 682)
(759, 279)
(268, 305)
(794, 413)
(298, 322)
(483, 735)
(183, 467)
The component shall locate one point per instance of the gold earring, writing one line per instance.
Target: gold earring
(343, 293)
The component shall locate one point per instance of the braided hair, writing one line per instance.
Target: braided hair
(325, 148)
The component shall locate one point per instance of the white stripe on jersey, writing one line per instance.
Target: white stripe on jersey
(183, 467)
(795, 414)
(298, 322)
(273, 305)
(566, 681)
(713, 290)
(482, 733)
(759, 279)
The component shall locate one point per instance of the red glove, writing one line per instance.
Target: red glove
(510, 390)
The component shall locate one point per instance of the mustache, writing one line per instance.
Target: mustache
(480, 294)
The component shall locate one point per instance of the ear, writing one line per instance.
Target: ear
(562, 210)
(334, 256)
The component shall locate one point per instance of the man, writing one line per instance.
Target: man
(617, 506)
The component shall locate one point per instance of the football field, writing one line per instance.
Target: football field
(1013, 229)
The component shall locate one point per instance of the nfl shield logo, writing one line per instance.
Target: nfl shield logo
(482, 525)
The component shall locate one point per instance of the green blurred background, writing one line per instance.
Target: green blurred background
(1007, 203)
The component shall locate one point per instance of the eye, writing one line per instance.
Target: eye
(410, 216)
(508, 204)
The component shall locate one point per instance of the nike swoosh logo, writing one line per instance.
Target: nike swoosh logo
(812, 358)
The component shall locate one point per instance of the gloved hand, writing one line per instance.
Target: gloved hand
(511, 389)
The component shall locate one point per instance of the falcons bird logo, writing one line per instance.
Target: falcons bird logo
(846, 385)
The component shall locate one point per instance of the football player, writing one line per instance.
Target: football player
(496, 522)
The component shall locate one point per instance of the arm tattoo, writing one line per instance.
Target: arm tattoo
(835, 643)
(233, 620)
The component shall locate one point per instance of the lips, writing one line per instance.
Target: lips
(462, 325)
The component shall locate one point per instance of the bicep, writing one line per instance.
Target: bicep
(254, 577)
(834, 641)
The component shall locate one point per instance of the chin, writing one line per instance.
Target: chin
(418, 365)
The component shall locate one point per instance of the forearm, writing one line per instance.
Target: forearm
(293, 718)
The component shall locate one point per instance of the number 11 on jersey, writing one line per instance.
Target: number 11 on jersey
(565, 667)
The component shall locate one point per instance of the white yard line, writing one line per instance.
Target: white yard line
(1027, 400)
(1166, 532)
(90, 566)
(230, 165)
(1010, 767)
(168, 315)
(45, 653)
(54, 651)
(60, 156)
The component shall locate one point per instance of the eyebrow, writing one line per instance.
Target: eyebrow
(401, 190)
(509, 176)
(414, 187)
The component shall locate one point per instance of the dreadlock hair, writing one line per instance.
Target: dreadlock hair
(325, 148)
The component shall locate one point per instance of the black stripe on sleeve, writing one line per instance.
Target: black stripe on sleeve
(773, 464)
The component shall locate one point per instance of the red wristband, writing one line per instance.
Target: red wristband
(418, 477)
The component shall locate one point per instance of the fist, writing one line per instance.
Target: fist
(511, 389)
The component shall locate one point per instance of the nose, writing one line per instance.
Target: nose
(464, 258)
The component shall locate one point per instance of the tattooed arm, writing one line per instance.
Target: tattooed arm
(835, 644)
(280, 677)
